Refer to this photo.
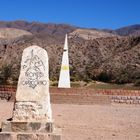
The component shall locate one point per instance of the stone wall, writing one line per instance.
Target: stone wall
(90, 91)
(126, 99)
(7, 93)
(82, 94)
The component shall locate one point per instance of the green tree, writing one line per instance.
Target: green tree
(5, 73)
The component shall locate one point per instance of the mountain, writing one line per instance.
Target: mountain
(89, 34)
(12, 33)
(133, 30)
(94, 54)
(36, 27)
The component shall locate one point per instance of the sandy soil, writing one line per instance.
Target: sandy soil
(92, 122)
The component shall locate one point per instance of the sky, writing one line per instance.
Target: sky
(102, 14)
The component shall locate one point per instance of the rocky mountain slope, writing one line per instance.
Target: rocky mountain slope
(36, 27)
(133, 30)
(8, 33)
(93, 54)
(89, 34)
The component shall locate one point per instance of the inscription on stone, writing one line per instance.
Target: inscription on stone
(32, 114)
(32, 96)
(33, 84)
(34, 71)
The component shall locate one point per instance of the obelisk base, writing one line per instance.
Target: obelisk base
(29, 131)
(32, 111)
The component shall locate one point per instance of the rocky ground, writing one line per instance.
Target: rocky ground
(91, 122)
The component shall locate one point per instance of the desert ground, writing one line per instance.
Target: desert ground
(91, 122)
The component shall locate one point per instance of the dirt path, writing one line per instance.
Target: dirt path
(92, 122)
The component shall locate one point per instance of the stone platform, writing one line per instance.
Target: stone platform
(29, 136)
(29, 131)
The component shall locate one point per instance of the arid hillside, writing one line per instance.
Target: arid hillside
(9, 33)
(132, 30)
(93, 54)
(88, 34)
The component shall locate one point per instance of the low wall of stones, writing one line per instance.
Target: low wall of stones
(90, 91)
(7, 93)
(116, 96)
(126, 99)
(119, 96)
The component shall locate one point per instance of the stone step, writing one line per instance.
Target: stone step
(11, 126)
(29, 131)
(30, 136)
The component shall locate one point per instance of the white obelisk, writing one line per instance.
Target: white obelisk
(64, 78)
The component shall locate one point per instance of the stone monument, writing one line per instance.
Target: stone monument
(32, 114)
(64, 78)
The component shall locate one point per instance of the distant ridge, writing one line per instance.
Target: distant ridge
(89, 34)
(9, 33)
(133, 30)
(62, 29)
(37, 27)
(102, 55)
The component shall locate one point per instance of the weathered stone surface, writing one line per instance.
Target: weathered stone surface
(32, 111)
(32, 136)
(32, 96)
(6, 126)
(126, 99)
(25, 137)
(32, 116)
(7, 136)
(29, 136)
(33, 84)
(55, 137)
(46, 127)
(136, 102)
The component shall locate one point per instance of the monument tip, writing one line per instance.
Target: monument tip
(64, 78)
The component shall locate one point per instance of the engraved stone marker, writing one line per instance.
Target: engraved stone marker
(32, 97)
(32, 116)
